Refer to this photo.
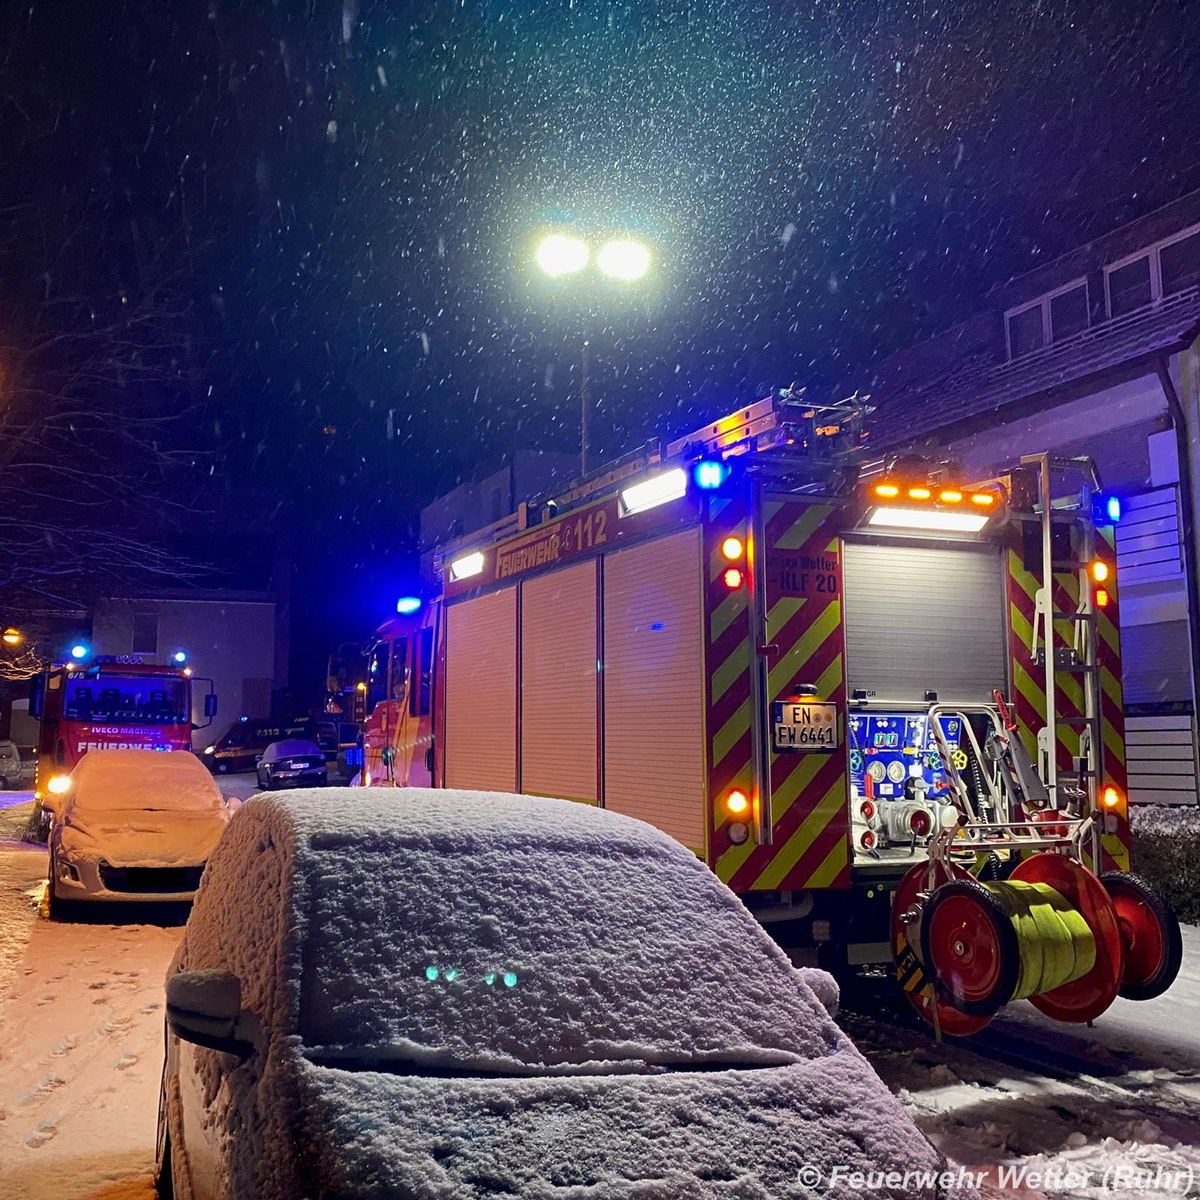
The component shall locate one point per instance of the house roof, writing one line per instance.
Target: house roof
(975, 383)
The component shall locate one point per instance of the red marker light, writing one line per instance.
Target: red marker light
(1101, 597)
(733, 578)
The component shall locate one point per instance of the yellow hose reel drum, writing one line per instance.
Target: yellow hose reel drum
(1053, 933)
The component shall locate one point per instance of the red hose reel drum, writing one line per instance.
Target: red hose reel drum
(1086, 998)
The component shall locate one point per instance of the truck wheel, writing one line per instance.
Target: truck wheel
(1149, 934)
(969, 948)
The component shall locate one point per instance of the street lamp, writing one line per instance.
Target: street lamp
(12, 637)
(622, 258)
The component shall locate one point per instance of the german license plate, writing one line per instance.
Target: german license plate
(804, 725)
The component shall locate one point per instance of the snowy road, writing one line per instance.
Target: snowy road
(1122, 1095)
(81, 1010)
(81, 1014)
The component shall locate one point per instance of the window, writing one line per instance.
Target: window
(1129, 287)
(1068, 313)
(1025, 332)
(400, 669)
(1179, 264)
(1049, 318)
(145, 634)
(1165, 269)
(419, 697)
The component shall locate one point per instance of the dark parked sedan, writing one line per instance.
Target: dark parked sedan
(292, 764)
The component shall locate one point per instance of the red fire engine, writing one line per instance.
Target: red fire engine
(111, 703)
(883, 706)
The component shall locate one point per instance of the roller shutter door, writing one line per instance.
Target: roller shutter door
(558, 684)
(481, 693)
(925, 618)
(654, 685)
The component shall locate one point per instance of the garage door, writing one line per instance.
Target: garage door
(558, 684)
(654, 686)
(481, 693)
(924, 618)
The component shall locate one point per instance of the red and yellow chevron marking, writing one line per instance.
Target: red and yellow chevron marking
(1028, 678)
(811, 847)
(728, 670)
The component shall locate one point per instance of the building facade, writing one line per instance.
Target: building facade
(1096, 353)
(239, 640)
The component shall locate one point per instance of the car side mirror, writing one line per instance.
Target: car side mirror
(210, 705)
(204, 1008)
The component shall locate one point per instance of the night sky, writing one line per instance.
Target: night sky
(324, 210)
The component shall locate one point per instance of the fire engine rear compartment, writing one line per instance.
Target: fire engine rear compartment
(586, 683)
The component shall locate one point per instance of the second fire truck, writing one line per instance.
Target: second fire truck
(883, 705)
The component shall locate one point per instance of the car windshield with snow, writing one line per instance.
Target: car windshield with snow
(456, 994)
(132, 825)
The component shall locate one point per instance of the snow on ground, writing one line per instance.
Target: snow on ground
(81, 1015)
(1068, 1099)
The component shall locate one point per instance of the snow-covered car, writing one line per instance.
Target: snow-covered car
(292, 763)
(133, 825)
(455, 994)
(14, 771)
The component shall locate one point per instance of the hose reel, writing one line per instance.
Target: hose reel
(1052, 933)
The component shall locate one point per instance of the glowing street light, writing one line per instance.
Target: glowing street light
(12, 637)
(624, 259)
(560, 254)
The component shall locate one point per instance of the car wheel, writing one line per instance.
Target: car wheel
(56, 909)
(164, 1183)
(3, 783)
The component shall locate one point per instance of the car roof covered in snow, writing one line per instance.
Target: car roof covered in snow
(143, 779)
(448, 926)
(290, 747)
(344, 816)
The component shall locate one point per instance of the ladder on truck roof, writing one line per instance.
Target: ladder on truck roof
(1072, 512)
(786, 428)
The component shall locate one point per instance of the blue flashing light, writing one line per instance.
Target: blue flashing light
(79, 651)
(243, 718)
(1106, 509)
(510, 979)
(431, 973)
(179, 657)
(708, 475)
(407, 605)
